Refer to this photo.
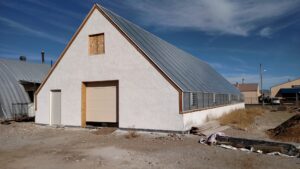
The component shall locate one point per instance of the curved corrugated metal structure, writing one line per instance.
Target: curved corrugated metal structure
(12, 72)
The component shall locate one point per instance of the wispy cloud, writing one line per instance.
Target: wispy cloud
(14, 53)
(214, 16)
(240, 65)
(53, 7)
(54, 19)
(265, 32)
(268, 31)
(237, 77)
(233, 50)
(61, 25)
(5, 50)
(16, 25)
(217, 65)
(221, 67)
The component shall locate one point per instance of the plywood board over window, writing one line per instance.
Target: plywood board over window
(96, 44)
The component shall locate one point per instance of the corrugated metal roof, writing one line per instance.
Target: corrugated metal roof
(12, 72)
(25, 71)
(185, 70)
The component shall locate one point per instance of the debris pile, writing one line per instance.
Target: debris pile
(20, 118)
(170, 137)
(208, 128)
(5, 122)
(197, 131)
(103, 131)
(288, 130)
(294, 109)
(23, 118)
(259, 146)
(282, 108)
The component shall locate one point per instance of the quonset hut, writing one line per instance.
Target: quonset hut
(18, 82)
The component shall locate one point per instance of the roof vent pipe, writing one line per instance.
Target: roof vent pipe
(43, 56)
(22, 58)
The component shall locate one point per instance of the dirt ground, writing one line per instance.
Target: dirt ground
(257, 130)
(30, 146)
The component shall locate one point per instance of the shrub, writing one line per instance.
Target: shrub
(241, 118)
(131, 134)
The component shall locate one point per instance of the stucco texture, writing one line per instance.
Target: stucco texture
(199, 117)
(146, 99)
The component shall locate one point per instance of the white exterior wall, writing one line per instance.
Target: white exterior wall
(200, 117)
(146, 99)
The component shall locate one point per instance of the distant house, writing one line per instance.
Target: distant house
(289, 84)
(114, 73)
(250, 91)
(19, 80)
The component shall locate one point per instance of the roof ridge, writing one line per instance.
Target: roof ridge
(186, 70)
(152, 34)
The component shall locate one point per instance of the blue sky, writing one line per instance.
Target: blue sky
(234, 36)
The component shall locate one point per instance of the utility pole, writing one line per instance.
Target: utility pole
(297, 100)
(261, 85)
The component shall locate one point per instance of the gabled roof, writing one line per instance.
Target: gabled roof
(247, 87)
(186, 71)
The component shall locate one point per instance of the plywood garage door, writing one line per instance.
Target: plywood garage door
(101, 102)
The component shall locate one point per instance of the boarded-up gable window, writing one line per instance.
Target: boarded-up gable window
(96, 44)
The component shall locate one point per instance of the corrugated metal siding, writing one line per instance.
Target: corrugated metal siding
(11, 91)
(188, 72)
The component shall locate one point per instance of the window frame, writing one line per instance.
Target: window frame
(193, 99)
(89, 44)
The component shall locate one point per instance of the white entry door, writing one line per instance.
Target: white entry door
(55, 107)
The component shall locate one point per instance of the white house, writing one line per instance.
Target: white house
(113, 72)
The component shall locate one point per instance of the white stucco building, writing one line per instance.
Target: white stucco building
(113, 72)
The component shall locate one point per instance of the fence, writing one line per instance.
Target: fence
(200, 100)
